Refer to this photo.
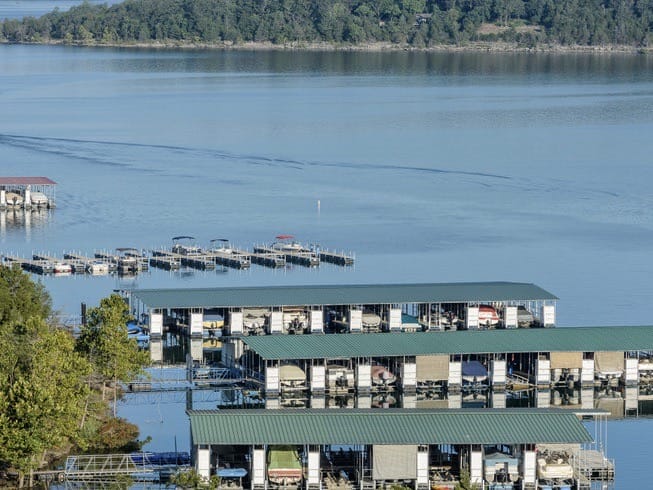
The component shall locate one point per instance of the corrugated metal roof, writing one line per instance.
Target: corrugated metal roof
(347, 346)
(26, 181)
(392, 426)
(341, 294)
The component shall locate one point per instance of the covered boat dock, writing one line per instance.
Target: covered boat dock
(343, 449)
(349, 308)
(544, 357)
(27, 192)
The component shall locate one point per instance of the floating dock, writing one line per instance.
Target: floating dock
(305, 258)
(88, 261)
(202, 262)
(35, 266)
(337, 258)
(131, 261)
(234, 259)
(76, 266)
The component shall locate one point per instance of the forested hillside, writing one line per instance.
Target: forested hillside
(419, 23)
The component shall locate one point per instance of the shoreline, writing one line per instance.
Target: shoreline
(377, 47)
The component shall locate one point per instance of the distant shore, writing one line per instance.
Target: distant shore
(476, 46)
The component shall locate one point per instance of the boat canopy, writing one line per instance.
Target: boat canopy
(183, 237)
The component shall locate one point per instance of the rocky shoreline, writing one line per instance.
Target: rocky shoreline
(477, 46)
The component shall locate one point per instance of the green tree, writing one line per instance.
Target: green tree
(42, 379)
(105, 343)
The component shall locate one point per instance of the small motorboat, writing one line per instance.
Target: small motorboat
(370, 320)
(381, 376)
(97, 268)
(62, 268)
(14, 199)
(474, 373)
(488, 316)
(284, 466)
(39, 200)
(292, 376)
(288, 244)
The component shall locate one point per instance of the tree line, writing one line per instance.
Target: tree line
(53, 386)
(418, 23)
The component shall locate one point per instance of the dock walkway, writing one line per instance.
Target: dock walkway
(306, 258)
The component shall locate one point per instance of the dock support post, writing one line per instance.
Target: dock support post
(587, 397)
(422, 466)
(529, 466)
(196, 326)
(587, 372)
(548, 316)
(313, 477)
(316, 321)
(471, 318)
(156, 324)
(318, 378)
(455, 379)
(203, 461)
(272, 381)
(355, 321)
(409, 376)
(3, 199)
(258, 466)
(543, 372)
(498, 399)
(27, 200)
(476, 466)
(543, 398)
(511, 319)
(197, 349)
(631, 371)
(235, 323)
(455, 400)
(275, 322)
(363, 377)
(498, 374)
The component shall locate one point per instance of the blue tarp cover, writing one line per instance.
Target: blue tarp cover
(473, 368)
(232, 472)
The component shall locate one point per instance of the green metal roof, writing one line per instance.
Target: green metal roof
(347, 346)
(341, 295)
(391, 426)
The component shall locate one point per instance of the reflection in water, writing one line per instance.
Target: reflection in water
(14, 220)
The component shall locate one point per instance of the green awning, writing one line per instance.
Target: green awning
(348, 346)
(361, 294)
(391, 426)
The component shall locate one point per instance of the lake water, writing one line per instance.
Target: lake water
(431, 167)
(17, 9)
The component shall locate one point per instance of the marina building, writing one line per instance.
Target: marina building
(346, 449)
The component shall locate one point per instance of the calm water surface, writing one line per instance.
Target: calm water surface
(17, 9)
(431, 167)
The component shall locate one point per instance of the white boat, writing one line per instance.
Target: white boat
(14, 199)
(554, 468)
(287, 244)
(62, 268)
(39, 199)
(473, 372)
(381, 376)
(370, 320)
(292, 376)
(488, 316)
(340, 376)
(97, 268)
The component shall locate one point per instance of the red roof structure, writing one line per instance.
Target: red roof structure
(26, 181)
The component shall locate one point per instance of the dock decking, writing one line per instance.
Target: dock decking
(305, 258)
